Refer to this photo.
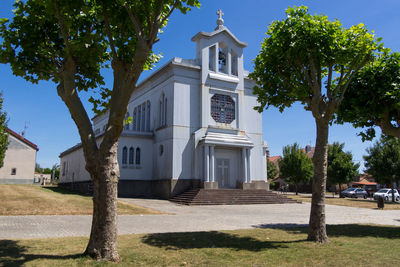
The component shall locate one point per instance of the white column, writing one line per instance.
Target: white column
(248, 165)
(216, 57)
(212, 165)
(244, 165)
(206, 163)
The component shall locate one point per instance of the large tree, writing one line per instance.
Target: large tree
(3, 132)
(272, 170)
(295, 167)
(69, 42)
(341, 168)
(383, 161)
(309, 59)
(373, 97)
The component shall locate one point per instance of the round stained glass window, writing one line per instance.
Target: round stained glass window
(222, 108)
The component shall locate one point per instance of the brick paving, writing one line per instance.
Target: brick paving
(191, 218)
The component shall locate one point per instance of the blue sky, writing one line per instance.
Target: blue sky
(52, 129)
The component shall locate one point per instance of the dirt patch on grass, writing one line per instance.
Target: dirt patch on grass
(349, 202)
(36, 200)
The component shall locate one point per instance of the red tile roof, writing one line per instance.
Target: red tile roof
(364, 183)
(274, 159)
(22, 139)
(310, 153)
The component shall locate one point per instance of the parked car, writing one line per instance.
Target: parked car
(354, 193)
(386, 193)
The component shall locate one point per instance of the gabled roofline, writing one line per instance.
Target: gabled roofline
(175, 61)
(22, 139)
(220, 29)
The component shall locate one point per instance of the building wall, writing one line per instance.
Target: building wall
(170, 150)
(21, 157)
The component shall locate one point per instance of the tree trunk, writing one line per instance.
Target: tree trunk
(297, 191)
(392, 184)
(317, 227)
(103, 237)
(340, 188)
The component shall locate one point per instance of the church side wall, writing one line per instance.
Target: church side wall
(20, 157)
(72, 167)
(186, 122)
(253, 125)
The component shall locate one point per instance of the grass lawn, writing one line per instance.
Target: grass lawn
(36, 200)
(350, 245)
(350, 202)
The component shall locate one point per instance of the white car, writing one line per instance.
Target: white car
(386, 194)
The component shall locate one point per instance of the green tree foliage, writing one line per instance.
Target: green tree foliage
(341, 168)
(69, 42)
(272, 170)
(295, 167)
(383, 161)
(309, 59)
(3, 132)
(56, 169)
(373, 97)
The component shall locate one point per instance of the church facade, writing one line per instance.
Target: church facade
(193, 125)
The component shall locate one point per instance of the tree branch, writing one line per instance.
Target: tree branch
(154, 23)
(63, 29)
(170, 12)
(328, 86)
(136, 23)
(68, 93)
(109, 34)
(386, 125)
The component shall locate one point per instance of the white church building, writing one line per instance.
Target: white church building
(193, 126)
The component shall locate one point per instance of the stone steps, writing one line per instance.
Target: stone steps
(230, 197)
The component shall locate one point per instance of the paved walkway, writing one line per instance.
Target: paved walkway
(194, 218)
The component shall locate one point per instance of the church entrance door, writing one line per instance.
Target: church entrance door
(223, 167)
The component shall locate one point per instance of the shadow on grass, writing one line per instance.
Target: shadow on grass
(341, 230)
(213, 239)
(13, 254)
(64, 191)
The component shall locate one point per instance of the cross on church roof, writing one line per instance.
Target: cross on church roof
(220, 20)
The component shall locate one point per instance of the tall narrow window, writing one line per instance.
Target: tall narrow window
(124, 155)
(139, 115)
(234, 63)
(143, 117)
(134, 120)
(64, 167)
(148, 117)
(222, 58)
(212, 53)
(131, 155)
(126, 123)
(137, 156)
(165, 111)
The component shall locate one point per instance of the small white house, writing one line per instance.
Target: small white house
(19, 160)
(193, 126)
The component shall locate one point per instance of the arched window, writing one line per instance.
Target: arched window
(160, 114)
(162, 110)
(137, 156)
(165, 111)
(131, 154)
(126, 123)
(148, 117)
(139, 118)
(143, 117)
(134, 120)
(124, 155)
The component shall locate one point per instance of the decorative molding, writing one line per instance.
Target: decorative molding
(223, 77)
